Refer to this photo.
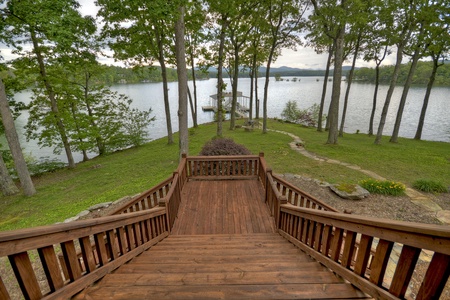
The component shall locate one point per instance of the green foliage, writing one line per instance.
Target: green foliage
(223, 146)
(429, 186)
(307, 117)
(421, 76)
(383, 187)
(44, 165)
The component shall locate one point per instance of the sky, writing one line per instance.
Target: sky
(303, 58)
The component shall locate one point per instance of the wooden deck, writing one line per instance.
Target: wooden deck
(223, 246)
(223, 207)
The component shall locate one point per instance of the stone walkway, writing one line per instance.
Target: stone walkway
(416, 197)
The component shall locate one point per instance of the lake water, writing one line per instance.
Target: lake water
(307, 91)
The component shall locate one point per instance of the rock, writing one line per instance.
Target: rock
(358, 194)
(71, 219)
(83, 213)
(444, 216)
(99, 206)
(126, 198)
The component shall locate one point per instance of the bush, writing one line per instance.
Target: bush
(223, 146)
(385, 187)
(429, 186)
(307, 117)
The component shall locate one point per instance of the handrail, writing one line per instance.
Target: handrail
(222, 167)
(330, 238)
(146, 200)
(90, 249)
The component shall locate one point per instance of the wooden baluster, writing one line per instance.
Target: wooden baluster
(311, 233)
(102, 255)
(362, 258)
(130, 237)
(88, 255)
(405, 268)
(51, 267)
(435, 277)
(304, 237)
(380, 261)
(112, 243)
(299, 229)
(295, 202)
(3, 291)
(336, 244)
(137, 234)
(326, 239)
(318, 237)
(122, 240)
(71, 260)
(349, 247)
(302, 201)
(25, 275)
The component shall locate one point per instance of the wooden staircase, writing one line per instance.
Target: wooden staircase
(256, 266)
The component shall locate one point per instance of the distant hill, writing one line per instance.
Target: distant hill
(285, 71)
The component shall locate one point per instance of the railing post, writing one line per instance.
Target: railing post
(281, 201)
(266, 184)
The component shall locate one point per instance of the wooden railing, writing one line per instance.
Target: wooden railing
(89, 249)
(331, 239)
(222, 167)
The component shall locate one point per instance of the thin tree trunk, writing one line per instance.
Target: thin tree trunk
(324, 87)
(191, 103)
(182, 83)
(426, 99)
(74, 116)
(336, 93)
(54, 105)
(349, 84)
(375, 93)
(165, 89)
(401, 107)
(220, 76)
(98, 138)
(390, 92)
(16, 150)
(266, 89)
(194, 82)
(7, 185)
(256, 94)
(234, 88)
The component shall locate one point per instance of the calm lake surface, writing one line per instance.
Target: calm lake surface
(307, 91)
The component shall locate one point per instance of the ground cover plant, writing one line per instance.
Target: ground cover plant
(64, 193)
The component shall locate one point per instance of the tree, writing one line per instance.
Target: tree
(182, 82)
(14, 146)
(399, 20)
(139, 33)
(7, 185)
(53, 28)
(284, 21)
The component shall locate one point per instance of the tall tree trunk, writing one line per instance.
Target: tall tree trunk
(54, 104)
(375, 93)
(426, 99)
(390, 92)
(234, 88)
(14, 146)
(224, 26)
(333, 114)
(182, 83)
(266, 88)
(7, 186)
(401, 107)
(324, 87)
(252, 94)
(194, 82)
(349, 84)
(98, 139)
(256, 93)
(162, 63)
(77, 127)
(191, 103)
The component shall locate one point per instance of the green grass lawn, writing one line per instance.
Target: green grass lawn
(64, 193)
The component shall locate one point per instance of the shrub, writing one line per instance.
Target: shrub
(429, 186)
(307, 117)
(223, 146)
(385, 187)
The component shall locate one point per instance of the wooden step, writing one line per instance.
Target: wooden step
(258, 266)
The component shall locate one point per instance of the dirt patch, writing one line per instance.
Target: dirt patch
(379, 206)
